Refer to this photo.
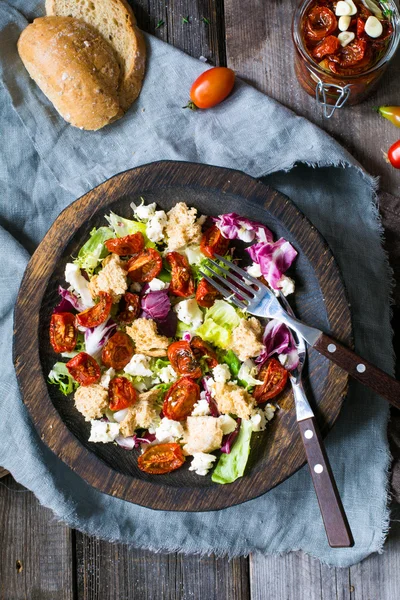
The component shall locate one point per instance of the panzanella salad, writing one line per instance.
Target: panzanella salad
(154, 357)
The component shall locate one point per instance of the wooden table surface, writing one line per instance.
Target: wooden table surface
(41, 559)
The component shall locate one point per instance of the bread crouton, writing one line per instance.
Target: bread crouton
(112, 278)
(142, 414)
(246, 339)
(91, 401)
(233, 399)
(203, 434)
(147, 339)
(183, 228)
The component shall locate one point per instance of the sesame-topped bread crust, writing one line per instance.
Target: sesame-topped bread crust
(116, 22)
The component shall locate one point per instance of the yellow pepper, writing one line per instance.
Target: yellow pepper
(391, 113)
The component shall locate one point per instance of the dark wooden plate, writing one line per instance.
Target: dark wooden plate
(320, 300)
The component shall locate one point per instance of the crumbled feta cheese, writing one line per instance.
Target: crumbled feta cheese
(168, 430)
(227, 424)
(120, 415)
(144, 211)
(189, 312)
(258, 420)
(269, 411)
(104, 432)
(106, 378)
(139, 366)
(248, 373)
(167, 374)
(194, 255)
(201, 408)
(254, 270)
(286, 286)
(156, 285)
(202, 463)
(155, 226)
(79, 284)
(221, 373)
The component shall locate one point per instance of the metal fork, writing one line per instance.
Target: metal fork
(249, 294)
(333, 515)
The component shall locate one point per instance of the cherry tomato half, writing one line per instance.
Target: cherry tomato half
(182, 283)
(180, 399)
(161, 459)
(394, 155)
(202, 349)
(213, 242)
(129, 308)
(212, 87)
(351, 55)
(183, 360)
(274, 376)
(118, 351)
(96, 315)
(121, 393)
(328, 45)
(130, 244)
(62, 332)
(84, 369)
(320, 22)
(206, 294)
(144, 266)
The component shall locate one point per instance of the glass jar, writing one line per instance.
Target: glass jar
(331, 90)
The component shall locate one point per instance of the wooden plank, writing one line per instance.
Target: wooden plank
(260, 49)
(194, 27)
(35, 551)
(3, 472)
(115, 572)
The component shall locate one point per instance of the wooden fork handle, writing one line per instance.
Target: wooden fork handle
(335, 521)
(369, 375)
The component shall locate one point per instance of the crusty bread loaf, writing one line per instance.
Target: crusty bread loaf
(75, 68)
(115, 20)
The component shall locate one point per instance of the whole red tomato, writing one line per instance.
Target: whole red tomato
(212, 87)
(394, 155)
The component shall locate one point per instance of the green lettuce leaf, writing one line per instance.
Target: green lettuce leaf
(123, 227)
(223, 314)
(231, 466)
(60, 376)
(211, 332)
(91, 253)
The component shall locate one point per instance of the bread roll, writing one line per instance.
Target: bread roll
(75, 68)
(116, 22)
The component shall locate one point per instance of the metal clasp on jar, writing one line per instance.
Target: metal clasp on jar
(321, 92)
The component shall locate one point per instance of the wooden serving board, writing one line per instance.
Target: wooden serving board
(320, 300)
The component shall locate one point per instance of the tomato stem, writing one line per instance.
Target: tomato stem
(191, 105)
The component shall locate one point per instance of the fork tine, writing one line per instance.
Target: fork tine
(239, 281)
(230, 285)
(232, 267)
(232, 298)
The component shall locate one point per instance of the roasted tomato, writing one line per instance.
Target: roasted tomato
(180, 399)
(213, 242)
(121, 393)
(202, 349)
(62, 332)
(129, 308)
(182, 283)
(118, 351)
(274, 377)
(91, 317)
(351, 54)
(206, 294)
(145, 266)
(329, 45)
(211, 87)
(130, 244)
(84, 369)
(183, 360)
(360, 27)
(320, 22)
(161, 459)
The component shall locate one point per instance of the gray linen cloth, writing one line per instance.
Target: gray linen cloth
(46, 164)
